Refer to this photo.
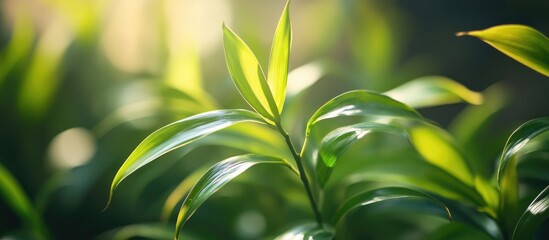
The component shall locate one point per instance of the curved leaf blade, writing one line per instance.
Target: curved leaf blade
(277, 75)
(383, 194)
(335, 143)
(361, 103)
(522, 43)
(215, 178)
(247, 75)
(307, 231)
(17, 200)
(433, 91)
(179, 134)
(507, 170)
(535, 214)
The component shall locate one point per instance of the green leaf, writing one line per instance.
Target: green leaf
(141, 231)
(433, 91)
(248, 76)
(457, 231)
(522, 43)
(309, 231)
(180, 191)
(335, 143)
(507, 170)
(383, 194)
(16, 199)
(361, 103)
(280, 54)
(179, 134)
(215, 178)
(535, 214)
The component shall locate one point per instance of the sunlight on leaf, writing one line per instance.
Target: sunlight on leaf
(303, 77)
(215, 178)
(178, 134)
(361, 103)
(531, 219)
(522, 43)
(15, 197)
(433, 91)
(381, 195)
(507, 170)
(248, 76)
(307, 231)
(438, 148)
(280, 54)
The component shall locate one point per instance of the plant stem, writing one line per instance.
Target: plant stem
(302, 174)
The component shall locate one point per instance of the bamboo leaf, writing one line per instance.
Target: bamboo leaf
(458, 231)
(522, 43)
(433, 91)
(535, 214)
(248, 76)
(307, 231)
(17, 200)
(507, 170)
(383, 194)
(361, 103)
(179, 134)
(335, 143)
(280, 54)
(215, 178)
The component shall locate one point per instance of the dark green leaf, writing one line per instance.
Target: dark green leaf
(522, 43)
(17, 200)
(381, 195)
(178, 134)
(433, 91)
(280, 54)
(215, 178)
(309, 231)
(248, 76)
(507, 170)
(457, 231)
(534, 215)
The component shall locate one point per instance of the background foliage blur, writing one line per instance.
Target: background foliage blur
(83, 82)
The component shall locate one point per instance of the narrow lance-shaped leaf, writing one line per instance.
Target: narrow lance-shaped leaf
(535, 214)
(277, 76)
(248, 76)
(433, 91)
(522, 43)
(307, 231)
(215, 178)
(361, 103)
(383, 194)
(507, 170)
(16, 199)
(178, 134)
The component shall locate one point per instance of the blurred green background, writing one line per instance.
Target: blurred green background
(83, 82)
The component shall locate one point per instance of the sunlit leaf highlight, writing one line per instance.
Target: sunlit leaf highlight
(522, 43)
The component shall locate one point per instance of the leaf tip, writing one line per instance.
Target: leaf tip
(460, 34)
(108, 202)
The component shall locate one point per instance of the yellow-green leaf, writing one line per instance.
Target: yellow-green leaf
(522, 43)
(248, 75)
(433, 91)
(280, 53)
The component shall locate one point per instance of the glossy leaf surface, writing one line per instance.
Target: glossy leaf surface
(307, 231)
(522, 43)
(383, 194)
(178, 134)
(361, 103)
(277, 76)
(507, 170)
(433, 91)
(535, 214)
(247, 75)
(215, 178)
